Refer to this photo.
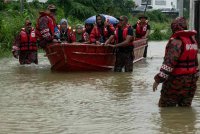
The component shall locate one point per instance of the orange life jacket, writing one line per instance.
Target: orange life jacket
(28, 42)
(187, 60)
(95, 34)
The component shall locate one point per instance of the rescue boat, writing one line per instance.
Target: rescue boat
(86, 57)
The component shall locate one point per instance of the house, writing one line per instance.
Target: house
(158, 4)
(194, 22)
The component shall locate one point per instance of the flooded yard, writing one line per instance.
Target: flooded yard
(35, 100)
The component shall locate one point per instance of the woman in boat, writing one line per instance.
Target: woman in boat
(101, 31)
(179, 71)
(24, 46)
(66, 34)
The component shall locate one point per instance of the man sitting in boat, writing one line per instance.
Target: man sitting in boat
(45, 26)
(66, 34)
(24, 46)
(101, 31)
(142, 29)
(124, 38)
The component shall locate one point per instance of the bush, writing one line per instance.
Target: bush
(157, 16)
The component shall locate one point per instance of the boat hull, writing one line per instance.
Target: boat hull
(86, 57)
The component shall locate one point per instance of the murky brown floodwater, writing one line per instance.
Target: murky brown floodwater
(35, 100)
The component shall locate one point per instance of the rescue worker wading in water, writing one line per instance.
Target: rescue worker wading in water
(24, 46)
(124, 47)
(142, 30)
(179, 71)
(46, 25)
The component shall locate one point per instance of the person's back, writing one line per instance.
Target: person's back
(46, 25)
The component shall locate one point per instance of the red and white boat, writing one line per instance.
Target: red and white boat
(87, 57)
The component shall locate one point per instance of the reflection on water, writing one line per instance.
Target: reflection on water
(35, 100)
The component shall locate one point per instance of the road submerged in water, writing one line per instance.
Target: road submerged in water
(35, 100)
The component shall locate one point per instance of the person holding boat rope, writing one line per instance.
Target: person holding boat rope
(124, 47)
(179, 71)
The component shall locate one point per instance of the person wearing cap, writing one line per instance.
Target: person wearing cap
(101, 31)
(25, 47)
(124, 47)
(179, 71)
(45, 26)
(142, 30)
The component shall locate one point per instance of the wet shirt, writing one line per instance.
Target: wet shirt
(120, 39)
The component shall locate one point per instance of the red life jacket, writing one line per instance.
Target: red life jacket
(95, 34)
(141, 29)
(28, 42)
(51, 25)
(125, 33)
(187, 60)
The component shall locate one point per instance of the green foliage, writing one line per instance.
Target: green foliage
(157, 16)
(156, 35)
(81, 10)
(11, 20)
(1, 5)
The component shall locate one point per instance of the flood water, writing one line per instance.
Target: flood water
(34, 100)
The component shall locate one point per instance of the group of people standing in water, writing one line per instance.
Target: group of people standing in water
(178, 73)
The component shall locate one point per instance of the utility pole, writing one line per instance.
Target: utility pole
(146, 6)
(21, 6)
(180, 7)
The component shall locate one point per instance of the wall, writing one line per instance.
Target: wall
(166, 4)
